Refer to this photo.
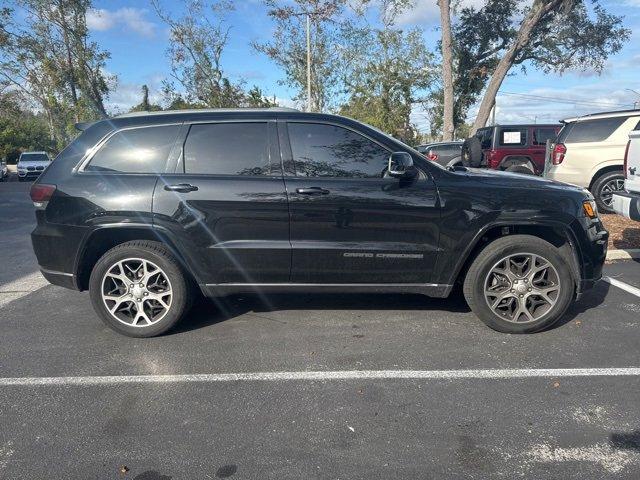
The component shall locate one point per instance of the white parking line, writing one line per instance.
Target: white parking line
(496, 374)
(624, 286)
(22, 286)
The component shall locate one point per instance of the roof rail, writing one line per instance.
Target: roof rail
(597, 114)
(206, 110)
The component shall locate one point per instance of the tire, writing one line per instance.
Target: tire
(511, 319)
(603, 188)
(519, 169)
(471, 152)
(166, 296)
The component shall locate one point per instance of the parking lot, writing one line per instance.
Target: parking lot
(311, 386)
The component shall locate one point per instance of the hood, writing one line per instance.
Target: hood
(33, 163)
(519, 180)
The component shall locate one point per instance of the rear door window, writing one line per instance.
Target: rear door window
(233, 148)
(135, 150)
(513, 137)
(590, 130)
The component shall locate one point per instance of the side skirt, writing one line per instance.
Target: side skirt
(429, 289)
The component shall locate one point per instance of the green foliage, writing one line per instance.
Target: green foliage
(390, 72)
(20, 129)
(145, 105)
(287, 48)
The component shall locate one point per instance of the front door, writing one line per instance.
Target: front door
(351, 223)
(227, 205)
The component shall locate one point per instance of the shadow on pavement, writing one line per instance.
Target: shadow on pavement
(211, 311)
(625, 440)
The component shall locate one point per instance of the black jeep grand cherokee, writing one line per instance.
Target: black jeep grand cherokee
(143, 210)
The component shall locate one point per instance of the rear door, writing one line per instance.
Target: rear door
(350, 223)
(226, 203)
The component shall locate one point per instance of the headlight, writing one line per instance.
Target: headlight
(590, 209)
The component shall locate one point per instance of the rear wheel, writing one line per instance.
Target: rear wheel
(604, 187)
(526, 170)
(139, 289)
(519, 284)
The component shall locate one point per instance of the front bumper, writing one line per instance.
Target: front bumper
(627, 204)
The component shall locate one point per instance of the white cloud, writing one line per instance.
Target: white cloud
(632, 3)
(427, 12)
(126, 95)
(128, 18)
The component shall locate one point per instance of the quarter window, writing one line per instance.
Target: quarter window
(228, 149)
(321, 150)
(541, 135)
(592, 130)
(513, 137)
(136, 150)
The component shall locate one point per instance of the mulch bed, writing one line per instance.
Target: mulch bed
(623, 233)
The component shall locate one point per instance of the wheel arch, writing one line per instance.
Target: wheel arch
(511, 160)
(605, 168)
(105, 237)
(559, 235)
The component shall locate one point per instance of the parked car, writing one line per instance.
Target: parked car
(514, 148)
(4, 171)
(589, 152)
(446, 154)
(144, 210)
(32, 164)
(627, 202)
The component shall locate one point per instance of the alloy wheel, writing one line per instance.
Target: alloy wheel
(522, 287)
(136, 292)
(609, 188)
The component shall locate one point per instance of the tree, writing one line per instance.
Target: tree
(390, 72)
(49, 58)
(289, 51)
(198, 40)
(446, 44)
(551, 35)
(145, 105)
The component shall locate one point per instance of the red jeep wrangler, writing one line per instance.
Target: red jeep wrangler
(515, 148)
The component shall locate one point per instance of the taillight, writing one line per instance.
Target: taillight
(559, 152)
(626, 158)
(431, 155)
(40, 194)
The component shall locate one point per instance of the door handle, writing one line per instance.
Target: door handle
(312, 191)
(181, 187)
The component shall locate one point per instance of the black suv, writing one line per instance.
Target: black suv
(144, 210)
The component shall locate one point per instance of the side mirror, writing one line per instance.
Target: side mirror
(401, 165)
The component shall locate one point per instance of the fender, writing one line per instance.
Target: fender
(468, 254)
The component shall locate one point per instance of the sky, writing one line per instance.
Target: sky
(137, 40)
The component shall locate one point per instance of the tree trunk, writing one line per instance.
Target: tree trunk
(539, 9)
(447, 69)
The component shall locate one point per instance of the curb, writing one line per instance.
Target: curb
(623, 254)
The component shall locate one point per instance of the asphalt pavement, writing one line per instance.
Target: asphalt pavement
(311, 386)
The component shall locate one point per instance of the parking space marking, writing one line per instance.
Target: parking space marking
(22, 286)
(494, 374)
(624, 286)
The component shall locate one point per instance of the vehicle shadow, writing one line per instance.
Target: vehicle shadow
(589, 299)
(625, 440)
(207, 311)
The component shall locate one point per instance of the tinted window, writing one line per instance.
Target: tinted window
(637, 126)
(331, 151)
(228, 149)
(34, 157)
(541, 135)
(513, 137)
(138, 150)
(591, 130)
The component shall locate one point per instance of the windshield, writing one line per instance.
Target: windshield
(34, 157)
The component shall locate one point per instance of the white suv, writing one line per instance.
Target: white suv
(589, 152)
(627, 203)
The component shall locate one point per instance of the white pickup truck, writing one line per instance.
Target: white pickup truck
(627, 202)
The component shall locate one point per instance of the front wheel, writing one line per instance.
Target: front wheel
(604, 187)
(519, 284)
(139, 289)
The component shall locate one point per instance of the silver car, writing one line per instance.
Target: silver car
(32, 164)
